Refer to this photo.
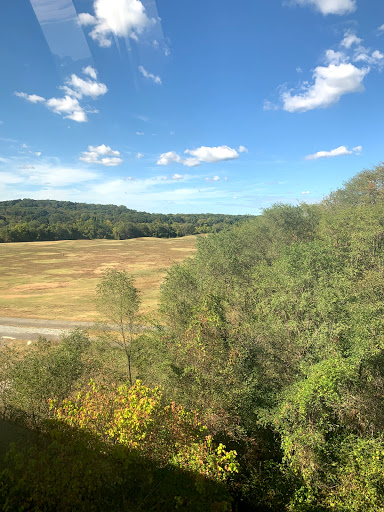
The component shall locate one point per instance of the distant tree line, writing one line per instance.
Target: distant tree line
(29, 220)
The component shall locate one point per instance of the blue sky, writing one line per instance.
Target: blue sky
(189, 106)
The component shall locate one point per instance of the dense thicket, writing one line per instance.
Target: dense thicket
(274, 333)
(29, 220)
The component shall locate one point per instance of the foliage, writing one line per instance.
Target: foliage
(118, 301)
(274, 333)
(119, 448)
(135, 417)
(28, 220)
(44, 372)
(297, 293)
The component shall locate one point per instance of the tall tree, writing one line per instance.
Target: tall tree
(118, 301)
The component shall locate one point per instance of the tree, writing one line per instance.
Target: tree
(118, 301)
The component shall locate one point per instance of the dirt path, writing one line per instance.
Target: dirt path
(29, 329)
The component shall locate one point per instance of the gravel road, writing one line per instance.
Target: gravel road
(29, 329)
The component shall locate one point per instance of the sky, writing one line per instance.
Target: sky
(189, 106)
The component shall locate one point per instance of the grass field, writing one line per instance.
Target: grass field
(57, 280)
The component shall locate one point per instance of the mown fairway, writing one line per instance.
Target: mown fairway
(57, 280)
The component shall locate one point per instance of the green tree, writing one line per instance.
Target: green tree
(118, 301)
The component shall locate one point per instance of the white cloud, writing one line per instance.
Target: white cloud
(9, 178)
(172, 157)
(350, 39)
(139, 155)
(215, 178)
(169, 158)
(191, 162)
(202, 154)
(377, 55)
(177, 177)
(242, 149)
(213, 154)
(342, 150)
(90, 71)
(119, 18)
(55, 176)
(333, 57)
(375, 59)
(306, 192)
(381, 28)
(33, 98)
(76, 88)
(330, 6)
(69, 106)
(330, 84)
(139, 133)
(102, 155)
(36, 153)
(87, 19)
(268, 105)
(151, 76)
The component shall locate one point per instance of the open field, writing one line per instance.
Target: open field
(57, 280)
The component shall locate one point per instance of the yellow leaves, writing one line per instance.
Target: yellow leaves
(137, 418)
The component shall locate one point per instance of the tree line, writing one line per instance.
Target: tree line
(29, 220)
(259, 386)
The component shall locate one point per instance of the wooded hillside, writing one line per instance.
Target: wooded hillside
(29, 220)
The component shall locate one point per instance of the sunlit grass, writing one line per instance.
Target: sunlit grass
(58, 279)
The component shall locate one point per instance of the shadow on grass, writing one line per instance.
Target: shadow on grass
(65, 470)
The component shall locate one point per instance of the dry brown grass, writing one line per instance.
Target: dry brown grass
(58, 279)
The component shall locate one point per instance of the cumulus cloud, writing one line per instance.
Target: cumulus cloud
(215, 178)
(78, 87)
(169, 158)
(75, 88)
(199, 155)
(139, 155)
(33, 98)
(343, 72)
(177, 177)
(381, 28)
(151, 76)
(242, 149)
(102, 155)
(213, 154)
(330, 84)
(332, 57)
(68, 107)
(326, 7)
(118, 18)
(90, 71)
(341, 150)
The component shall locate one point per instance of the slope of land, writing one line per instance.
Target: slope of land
(57, 280)
(29, 220)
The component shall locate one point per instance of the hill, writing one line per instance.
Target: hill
(29, 220)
